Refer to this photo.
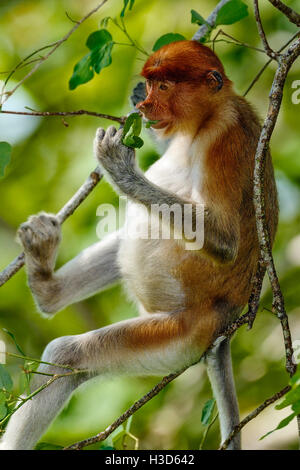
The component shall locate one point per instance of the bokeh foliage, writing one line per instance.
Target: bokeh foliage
(51, 162)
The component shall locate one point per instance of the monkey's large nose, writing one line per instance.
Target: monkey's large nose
(141, 106)
(145, 105)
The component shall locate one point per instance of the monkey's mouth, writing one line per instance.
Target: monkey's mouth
(158, 124)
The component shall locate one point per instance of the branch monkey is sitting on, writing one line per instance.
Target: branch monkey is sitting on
(186, 296)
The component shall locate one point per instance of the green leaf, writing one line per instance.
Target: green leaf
(207, 412)
(167, 39)
(133, 141)
(128, 424)
(281, 425)
(231, 12)
(82, 73)
(24, 383)
(5, 379)
(102, 58)
(104, 21)
(132, 130)
(206, 36)
(296, 408)
(126, 2)
(2, 397)
(295, 379)
(3, 411)
(293, 396)
(98, 39)
(107, 448)
(5, 153)
(197, 18)
(14, 340)
(130, 122)
(48, 446)
(150, 123)
(100, 44)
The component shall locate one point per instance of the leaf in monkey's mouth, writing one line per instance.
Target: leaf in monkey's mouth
(150, 123)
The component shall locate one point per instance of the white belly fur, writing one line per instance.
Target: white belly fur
(147, 264)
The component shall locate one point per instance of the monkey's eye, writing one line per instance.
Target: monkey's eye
(163, 86)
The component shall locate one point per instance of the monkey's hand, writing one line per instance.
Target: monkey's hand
(40, 237)
(116, 158)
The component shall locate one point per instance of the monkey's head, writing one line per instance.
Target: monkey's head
(185, 81)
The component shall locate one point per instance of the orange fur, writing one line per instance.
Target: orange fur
(216, 292)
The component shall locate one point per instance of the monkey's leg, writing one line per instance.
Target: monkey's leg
(156, 345)
(219, 368)
(92, 270)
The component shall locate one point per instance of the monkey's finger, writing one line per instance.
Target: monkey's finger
(111, 131)
(24, 234)
(100, 133)
(48, 218)
(119, 136)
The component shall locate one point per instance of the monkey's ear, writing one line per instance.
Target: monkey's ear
(215, 80)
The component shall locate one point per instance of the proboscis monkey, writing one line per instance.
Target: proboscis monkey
(186, 296)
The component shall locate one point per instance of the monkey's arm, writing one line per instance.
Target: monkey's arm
(92, 270)
(221, 232)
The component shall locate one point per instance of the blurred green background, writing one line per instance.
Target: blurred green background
(49, 163)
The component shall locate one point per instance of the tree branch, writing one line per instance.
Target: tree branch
(80, 112)
(136, 406)
(62, 215)
(253, 415)
(291, 14)
(151, 394)
(101, 436)
(285, 62)
(268, 63)
(261, 32)
(53, 378)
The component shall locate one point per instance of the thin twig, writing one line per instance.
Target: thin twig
(38, 390)
(291, 14)
(207, 429)
(62, 215)
(31, 359)
(261, 32)
(275, 98)
(80, 112)
(23, 63)
(253, 415)
(136, 406)
(203, 30)
(71, 19)
(235, 41)
(268, 63)
(254, 298)
(228, 332)
(6, 95)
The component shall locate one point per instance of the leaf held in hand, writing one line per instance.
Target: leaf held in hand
(167, 39)
(132, 130)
